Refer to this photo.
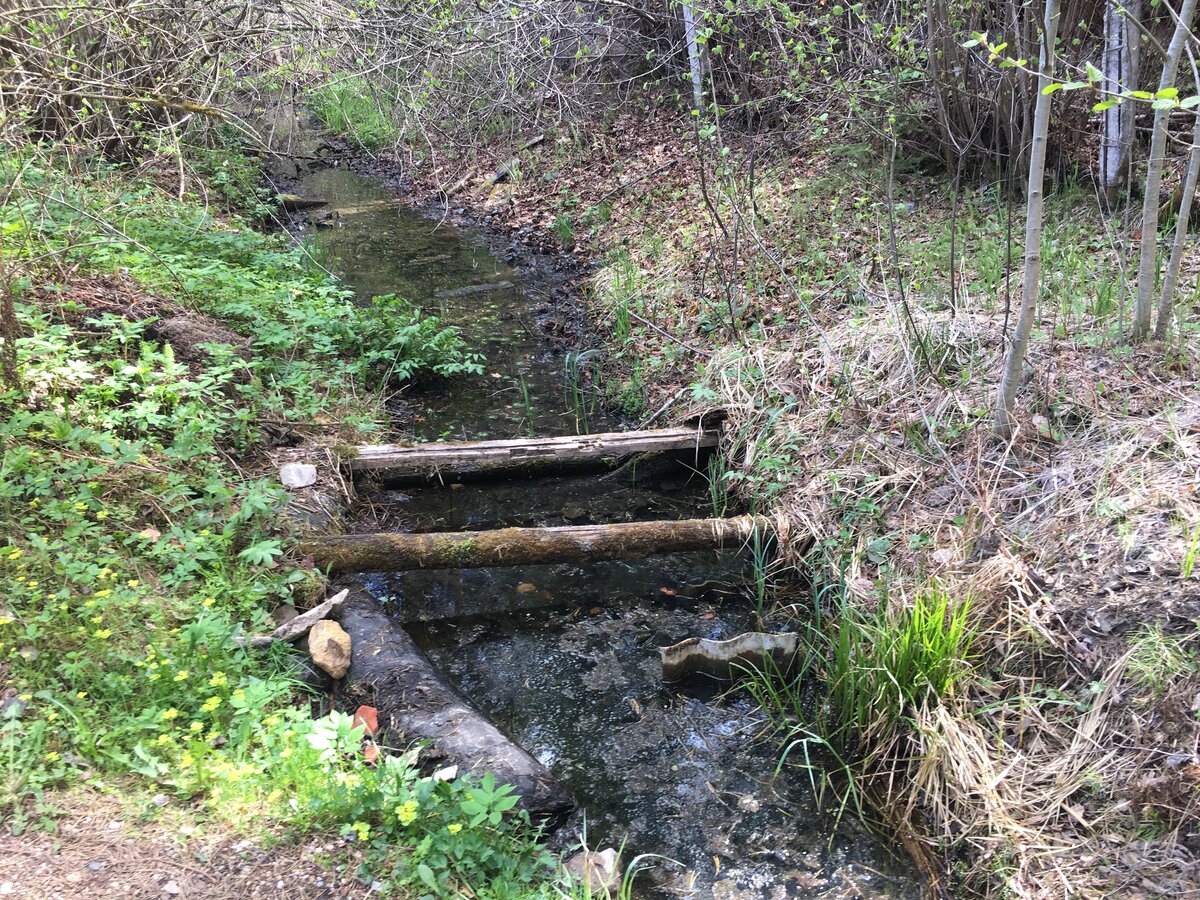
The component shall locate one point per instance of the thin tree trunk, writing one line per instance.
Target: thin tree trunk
(1010, 379)
(1158, 151)
(689, 31)
(1116, 139)
(1167, 298)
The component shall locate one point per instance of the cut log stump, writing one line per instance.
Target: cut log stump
(528, 546)
(530, 454)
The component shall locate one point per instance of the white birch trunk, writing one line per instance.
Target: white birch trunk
(1120, 74)
(1010, 378)
(689, 31)
(1144, 301)
(1166, 300)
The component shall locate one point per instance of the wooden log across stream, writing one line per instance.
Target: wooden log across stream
(525, 454)
(529, 546)
(417, 704)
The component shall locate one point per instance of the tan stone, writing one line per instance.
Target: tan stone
(329, 647)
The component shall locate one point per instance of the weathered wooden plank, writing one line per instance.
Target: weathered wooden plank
(518, 453)
(528, 546)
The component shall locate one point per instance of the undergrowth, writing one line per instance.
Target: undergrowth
(139, 544)
(350, 107)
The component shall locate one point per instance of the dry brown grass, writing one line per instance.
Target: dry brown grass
(1068, 539)
(1056, 771)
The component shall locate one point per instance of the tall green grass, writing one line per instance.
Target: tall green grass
(866, 675)
(353, 109)
(882, 666)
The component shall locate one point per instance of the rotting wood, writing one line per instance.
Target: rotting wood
(726, 660)
(500, 173)
(529, 546)
(460, 457)
(416, 704)
(294, 203)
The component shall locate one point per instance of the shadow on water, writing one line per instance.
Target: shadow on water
(564, 658)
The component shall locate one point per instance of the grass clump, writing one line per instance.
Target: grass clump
(1156, 659)
(883, 666)
(869, 673)
(351, 108)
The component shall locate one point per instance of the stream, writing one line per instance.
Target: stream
(565, 658)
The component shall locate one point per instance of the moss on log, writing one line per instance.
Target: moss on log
(528, 546)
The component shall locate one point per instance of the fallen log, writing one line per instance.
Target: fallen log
(416, 704)
(528, 546)
(295, 203)
(726, 660)
(479, 456)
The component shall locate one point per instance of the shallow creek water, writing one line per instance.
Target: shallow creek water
(564, 658)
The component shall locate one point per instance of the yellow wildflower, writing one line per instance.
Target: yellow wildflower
(169, 714)
(454, 827)
(406, 812)
(210, 704)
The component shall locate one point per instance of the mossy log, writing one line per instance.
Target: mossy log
(460, 457)
(528, 546)
(416, 704)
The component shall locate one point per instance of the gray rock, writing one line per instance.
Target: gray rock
(597, 870)
(298, 475)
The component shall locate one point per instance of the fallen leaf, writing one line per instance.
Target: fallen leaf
(526, 587)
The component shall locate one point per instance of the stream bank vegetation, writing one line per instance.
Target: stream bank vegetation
(158, 352)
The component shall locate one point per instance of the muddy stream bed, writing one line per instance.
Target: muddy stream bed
(564, 658)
